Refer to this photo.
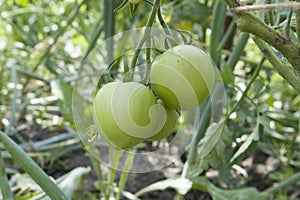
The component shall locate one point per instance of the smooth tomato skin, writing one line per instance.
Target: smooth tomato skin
(169, 126)
(140, 101)
(182, 77)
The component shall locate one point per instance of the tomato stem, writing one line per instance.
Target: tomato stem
(115, 156)
(124, 176)
(146, 35)
(203, 124)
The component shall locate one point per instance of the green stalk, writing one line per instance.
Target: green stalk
(57, 35)
(238, 50)
(256, 73)
(4, 185)
(14, 100)
(249, 22)
(148, 61)
(283, 69)
(219, 16)
(97, 167)
(46, 53)
(226, 35)
(146, 35)
(109, 26)
(93, 40)
(124, 176)
(165, 26)
(32, 75)
(203, 124)
(29, 166)
(270, 14)
(115, 156)
(285, 183)
(298, 24)
(287, 27)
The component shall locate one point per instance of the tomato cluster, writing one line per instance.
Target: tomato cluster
(128, 113)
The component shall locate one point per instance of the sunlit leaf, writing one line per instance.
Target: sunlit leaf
(181, 185)
(249, 144)
(210, 139)
(201, 183)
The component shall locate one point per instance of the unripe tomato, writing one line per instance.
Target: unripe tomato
(182, 77)
(125, 113)
(169, 126)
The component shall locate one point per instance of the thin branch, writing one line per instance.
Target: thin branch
(250, 23)
(146, 34)
(287, 72)
(286, 5)
(298, 24)
(287, 27)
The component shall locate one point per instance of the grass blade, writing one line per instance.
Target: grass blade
(28, 165)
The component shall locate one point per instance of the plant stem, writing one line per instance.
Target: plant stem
(270, 14)
(238, 50)
(148, 61)
(109, 21)
(34, 171)
(14, 100)
(226, 36)
(219, 16)
(270, 6)
(115, 156)
(4, 185)
(287, 27)
(256, 73)
(285, 183)
(57, 34)
(97, 167)
(165, 26)
(203, 124)
(146, 34)
(298, 25)
(124, 176)
(283, 69)
(250, 23)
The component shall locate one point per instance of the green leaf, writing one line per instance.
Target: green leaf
(23, 3)
(201, 183)
(29, 166)
(236, 194)
(210, 139)
(249, 144)
(256, 87)
(227, 74)
(71, 183)
(181, 185)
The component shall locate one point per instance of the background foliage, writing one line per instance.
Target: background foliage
(43, 44)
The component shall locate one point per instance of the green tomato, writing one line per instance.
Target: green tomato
(126, 113)
(182, 77)
(169, 126)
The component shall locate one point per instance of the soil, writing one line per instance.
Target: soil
(258, 167)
